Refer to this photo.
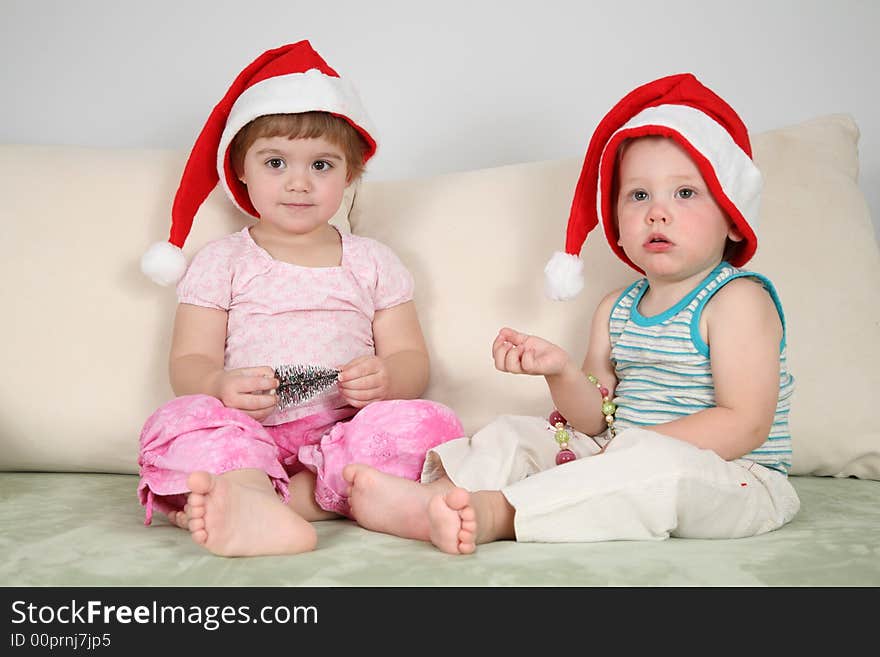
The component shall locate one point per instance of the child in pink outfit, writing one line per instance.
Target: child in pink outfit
(223, 459)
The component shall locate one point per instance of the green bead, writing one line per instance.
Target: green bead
(592, 379)
(608, 408)
(562, 436)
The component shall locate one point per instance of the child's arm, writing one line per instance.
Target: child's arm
(597, 362)
(573, 395)
(400, 368)
(196, 364)
(744, 332)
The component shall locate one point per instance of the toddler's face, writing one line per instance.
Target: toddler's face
(668, 222)
(296, 185)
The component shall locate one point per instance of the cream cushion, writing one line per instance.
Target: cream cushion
(86, 336)
(477, 243)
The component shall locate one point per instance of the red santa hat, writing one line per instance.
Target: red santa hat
(286, 80)
(701, 122)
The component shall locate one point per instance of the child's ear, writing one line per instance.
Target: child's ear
(733, 234)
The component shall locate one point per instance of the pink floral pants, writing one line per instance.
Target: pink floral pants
(197, 432)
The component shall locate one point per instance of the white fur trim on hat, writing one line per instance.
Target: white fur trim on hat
(164, 263)
(563, 276)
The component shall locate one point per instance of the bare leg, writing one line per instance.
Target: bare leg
(238, 513)
(302, 498)
(384, 503)
(460, 520)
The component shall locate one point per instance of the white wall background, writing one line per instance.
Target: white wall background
(451, 85)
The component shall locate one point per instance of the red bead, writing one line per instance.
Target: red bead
(555, 417)
(564, 456)
(603, 391)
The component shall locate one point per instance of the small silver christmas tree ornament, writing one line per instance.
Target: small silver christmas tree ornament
(298, 382)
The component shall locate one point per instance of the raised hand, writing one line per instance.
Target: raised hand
(521, 353)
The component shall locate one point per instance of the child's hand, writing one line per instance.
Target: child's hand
(520, 353)
(364, 380)
(249, 389)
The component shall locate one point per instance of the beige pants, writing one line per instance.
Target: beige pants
(645, 486)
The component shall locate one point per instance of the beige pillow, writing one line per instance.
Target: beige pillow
(477, 242)
(817, 244)
(86, 335)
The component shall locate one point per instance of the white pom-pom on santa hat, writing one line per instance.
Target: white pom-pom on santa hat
(290, 79)
(164, 263)
(563, 276)
(680, 108)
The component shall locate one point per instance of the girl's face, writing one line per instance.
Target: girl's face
(296, 185)
(668, 221)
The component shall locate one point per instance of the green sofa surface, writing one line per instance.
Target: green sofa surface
(74, 529)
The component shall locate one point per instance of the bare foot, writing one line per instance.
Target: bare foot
(238, 515)
(453, 522)
(179, 518)
(384, 503)
(461, 520)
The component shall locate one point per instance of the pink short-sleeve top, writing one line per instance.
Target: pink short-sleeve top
(280, 313)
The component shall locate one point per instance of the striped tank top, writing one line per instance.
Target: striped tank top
(662, 363)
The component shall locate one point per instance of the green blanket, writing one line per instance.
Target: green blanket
(87, 530)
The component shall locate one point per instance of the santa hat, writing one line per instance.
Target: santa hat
(286, 80)
(701, 122)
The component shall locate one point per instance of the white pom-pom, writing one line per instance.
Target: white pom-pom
(563, 276)
(164, 263)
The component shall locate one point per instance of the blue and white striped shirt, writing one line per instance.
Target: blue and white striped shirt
(663, 369)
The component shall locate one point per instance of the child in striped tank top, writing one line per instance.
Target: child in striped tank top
(676, 423)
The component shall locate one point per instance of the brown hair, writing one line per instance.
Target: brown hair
(305, 125)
